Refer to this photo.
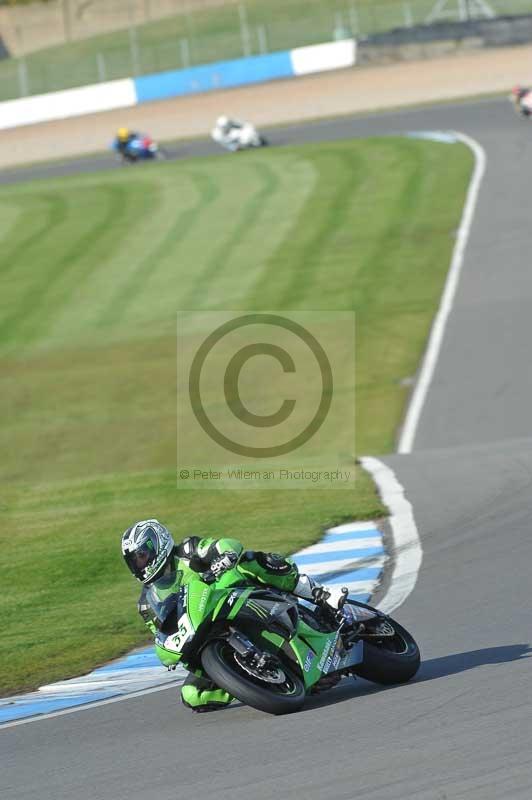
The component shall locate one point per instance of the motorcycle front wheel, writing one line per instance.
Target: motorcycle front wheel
(390, 660)
(282, 695)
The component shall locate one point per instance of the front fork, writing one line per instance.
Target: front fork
(240, 643)
(249, 652)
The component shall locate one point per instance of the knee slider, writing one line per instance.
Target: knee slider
(275, 563)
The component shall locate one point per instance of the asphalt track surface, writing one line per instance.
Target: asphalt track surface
(462, 728)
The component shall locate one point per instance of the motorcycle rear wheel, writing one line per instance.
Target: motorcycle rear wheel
(219, 662)
(390, 661)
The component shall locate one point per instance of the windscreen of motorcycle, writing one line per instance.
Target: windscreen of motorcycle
(165, 598)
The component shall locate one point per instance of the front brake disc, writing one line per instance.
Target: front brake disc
(267, 674)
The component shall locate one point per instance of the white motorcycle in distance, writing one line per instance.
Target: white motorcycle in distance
(521, 97)
(235, 135)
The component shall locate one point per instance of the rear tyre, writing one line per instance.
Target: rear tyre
(218, 659)
(392, 660)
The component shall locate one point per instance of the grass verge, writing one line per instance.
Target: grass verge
(93, 269)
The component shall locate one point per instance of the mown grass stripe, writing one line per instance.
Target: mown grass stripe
(252, 207)
(208, 192)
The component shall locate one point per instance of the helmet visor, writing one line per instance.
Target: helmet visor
(145, 554)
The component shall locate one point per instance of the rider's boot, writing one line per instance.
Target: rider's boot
(200, 694)
(330, 598)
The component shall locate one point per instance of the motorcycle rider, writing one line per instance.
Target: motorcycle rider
(225, 132)
(150, 552)
(123, 139)
(519, 93)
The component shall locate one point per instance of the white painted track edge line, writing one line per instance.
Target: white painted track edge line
(417, 401)
(89, 705)
(407, 551)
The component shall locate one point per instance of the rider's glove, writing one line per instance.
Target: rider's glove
(222, 563)
(320, 595)
(334, 599)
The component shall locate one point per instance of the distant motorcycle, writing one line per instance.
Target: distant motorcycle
(234, 135)
(138, 148)
(521, 97)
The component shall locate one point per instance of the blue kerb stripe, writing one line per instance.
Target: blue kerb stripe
(366, 574)
(345, 537)
(47, 705)
(125, 665)
(220, 75)
(339, 555)
(143, 660)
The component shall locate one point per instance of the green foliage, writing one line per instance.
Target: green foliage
(93, 269)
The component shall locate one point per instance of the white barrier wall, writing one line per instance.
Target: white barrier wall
(132, 91)
(68, 103)
(323, 57)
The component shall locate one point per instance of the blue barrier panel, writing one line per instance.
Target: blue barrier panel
(220, 75)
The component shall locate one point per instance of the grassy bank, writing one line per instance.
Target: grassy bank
(93, 269)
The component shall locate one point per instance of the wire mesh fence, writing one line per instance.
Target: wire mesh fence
(210, 31)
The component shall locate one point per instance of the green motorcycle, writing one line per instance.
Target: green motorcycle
(267, 648)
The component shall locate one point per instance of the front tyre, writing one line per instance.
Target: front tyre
(221, 663)
(390, 660)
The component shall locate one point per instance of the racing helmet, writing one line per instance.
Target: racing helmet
(516, 91)
(223, 123)
(147, 547)
(122, 134)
